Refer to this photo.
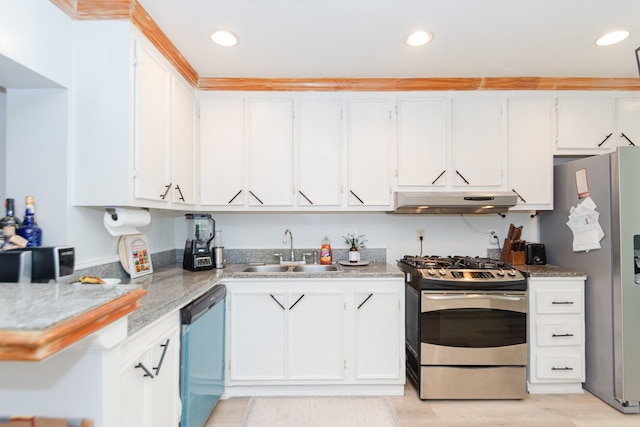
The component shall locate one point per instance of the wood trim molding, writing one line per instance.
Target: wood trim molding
(131, 9)
(152, 31)
(38, 345)
(418, 84)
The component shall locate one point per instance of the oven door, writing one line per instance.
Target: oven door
(480, 329)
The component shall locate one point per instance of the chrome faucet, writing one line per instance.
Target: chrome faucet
(284, 240)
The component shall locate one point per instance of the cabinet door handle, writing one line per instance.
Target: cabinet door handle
(180, 192)
(566, 368)
(234, 197)
(166, 191)
(164, 346)
(463, 178)
(627, 138)
(277, 302)
(519, 196)
(438, 177)
(606, 137)
(306, 198)
(356, 196)
(365, 300)
(298, 300)
(562, 302)
(146, 371)
(561, 335)
(257, 198)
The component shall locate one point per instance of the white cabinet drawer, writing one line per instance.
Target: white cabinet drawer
(556, 302)
(559, 334)
(559, 367)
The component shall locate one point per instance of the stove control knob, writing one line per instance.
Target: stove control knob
(432, 272)
(512, 272)
(442, 272)
(500, 272)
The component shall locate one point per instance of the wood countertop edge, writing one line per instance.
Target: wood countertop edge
(38, 345)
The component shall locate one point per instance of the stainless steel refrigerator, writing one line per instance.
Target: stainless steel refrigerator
(612, 296)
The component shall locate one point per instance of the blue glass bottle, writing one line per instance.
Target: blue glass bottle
(29, 229)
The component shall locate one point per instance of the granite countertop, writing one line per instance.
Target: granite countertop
(37, 320)
(548, 271)
(171, 288)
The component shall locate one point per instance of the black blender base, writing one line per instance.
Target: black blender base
(197, 262)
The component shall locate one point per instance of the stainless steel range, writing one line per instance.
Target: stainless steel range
(466, 327)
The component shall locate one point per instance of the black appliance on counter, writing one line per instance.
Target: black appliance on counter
(197, 250)
(466, 327)
(40, 264)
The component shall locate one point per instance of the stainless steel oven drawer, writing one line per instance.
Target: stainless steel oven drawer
(444, 382)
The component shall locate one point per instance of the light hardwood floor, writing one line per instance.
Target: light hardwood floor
(574, 410)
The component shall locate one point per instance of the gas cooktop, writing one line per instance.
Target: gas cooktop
(460, 273)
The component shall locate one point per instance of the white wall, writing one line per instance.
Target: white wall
(36, 165)
(3, 146)
(39, 36)
(444, 234)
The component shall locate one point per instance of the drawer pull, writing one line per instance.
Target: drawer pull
(144, 368)
(562, 302)
(561, 335)
(566, 368)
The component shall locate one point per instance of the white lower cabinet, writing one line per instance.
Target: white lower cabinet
(149, 382)
(315, 336)
(377, 322)
(556, 335)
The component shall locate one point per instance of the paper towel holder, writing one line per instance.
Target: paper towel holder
(111, 210)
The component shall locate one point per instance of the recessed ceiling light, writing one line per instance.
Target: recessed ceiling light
(418, 38)
(224, 38)
(612, 37)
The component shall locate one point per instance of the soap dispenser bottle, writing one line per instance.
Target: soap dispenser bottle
(325, 251)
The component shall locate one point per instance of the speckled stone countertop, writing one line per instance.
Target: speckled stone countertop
(39, 306)
(171, 288)
(548, 271)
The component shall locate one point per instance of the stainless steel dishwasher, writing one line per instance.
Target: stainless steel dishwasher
(202, 356)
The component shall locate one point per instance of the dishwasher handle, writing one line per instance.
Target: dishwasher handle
(197, 308)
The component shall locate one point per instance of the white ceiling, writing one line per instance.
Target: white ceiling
(365, 38)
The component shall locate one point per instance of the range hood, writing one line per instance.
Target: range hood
(453, 202)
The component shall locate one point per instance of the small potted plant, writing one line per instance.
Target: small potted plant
(355, 243)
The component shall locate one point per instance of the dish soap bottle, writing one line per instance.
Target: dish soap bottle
(354, 254)
(325, 251)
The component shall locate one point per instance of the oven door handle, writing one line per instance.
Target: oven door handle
(467, 296)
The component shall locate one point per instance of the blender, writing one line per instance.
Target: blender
(197, 250)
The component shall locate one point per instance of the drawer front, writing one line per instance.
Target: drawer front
(559, 368)
(559, 334)
(559, 302)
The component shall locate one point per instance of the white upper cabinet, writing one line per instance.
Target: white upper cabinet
(369, 146)
(593, 124)
(222, 159)
(319, 154)
(530, 159)
(477, 143)
(183, 188)
(628, 121)
(152, 120)
(585, 125)
(270, 136)
(422, 142)
(133, 121)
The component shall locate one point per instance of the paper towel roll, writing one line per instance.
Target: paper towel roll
(126, 221)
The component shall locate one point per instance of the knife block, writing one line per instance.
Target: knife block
(516, 258)
(511, 256)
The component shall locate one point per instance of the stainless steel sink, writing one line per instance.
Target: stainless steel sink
(265, 269)
(303, 268)
(316, 268)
